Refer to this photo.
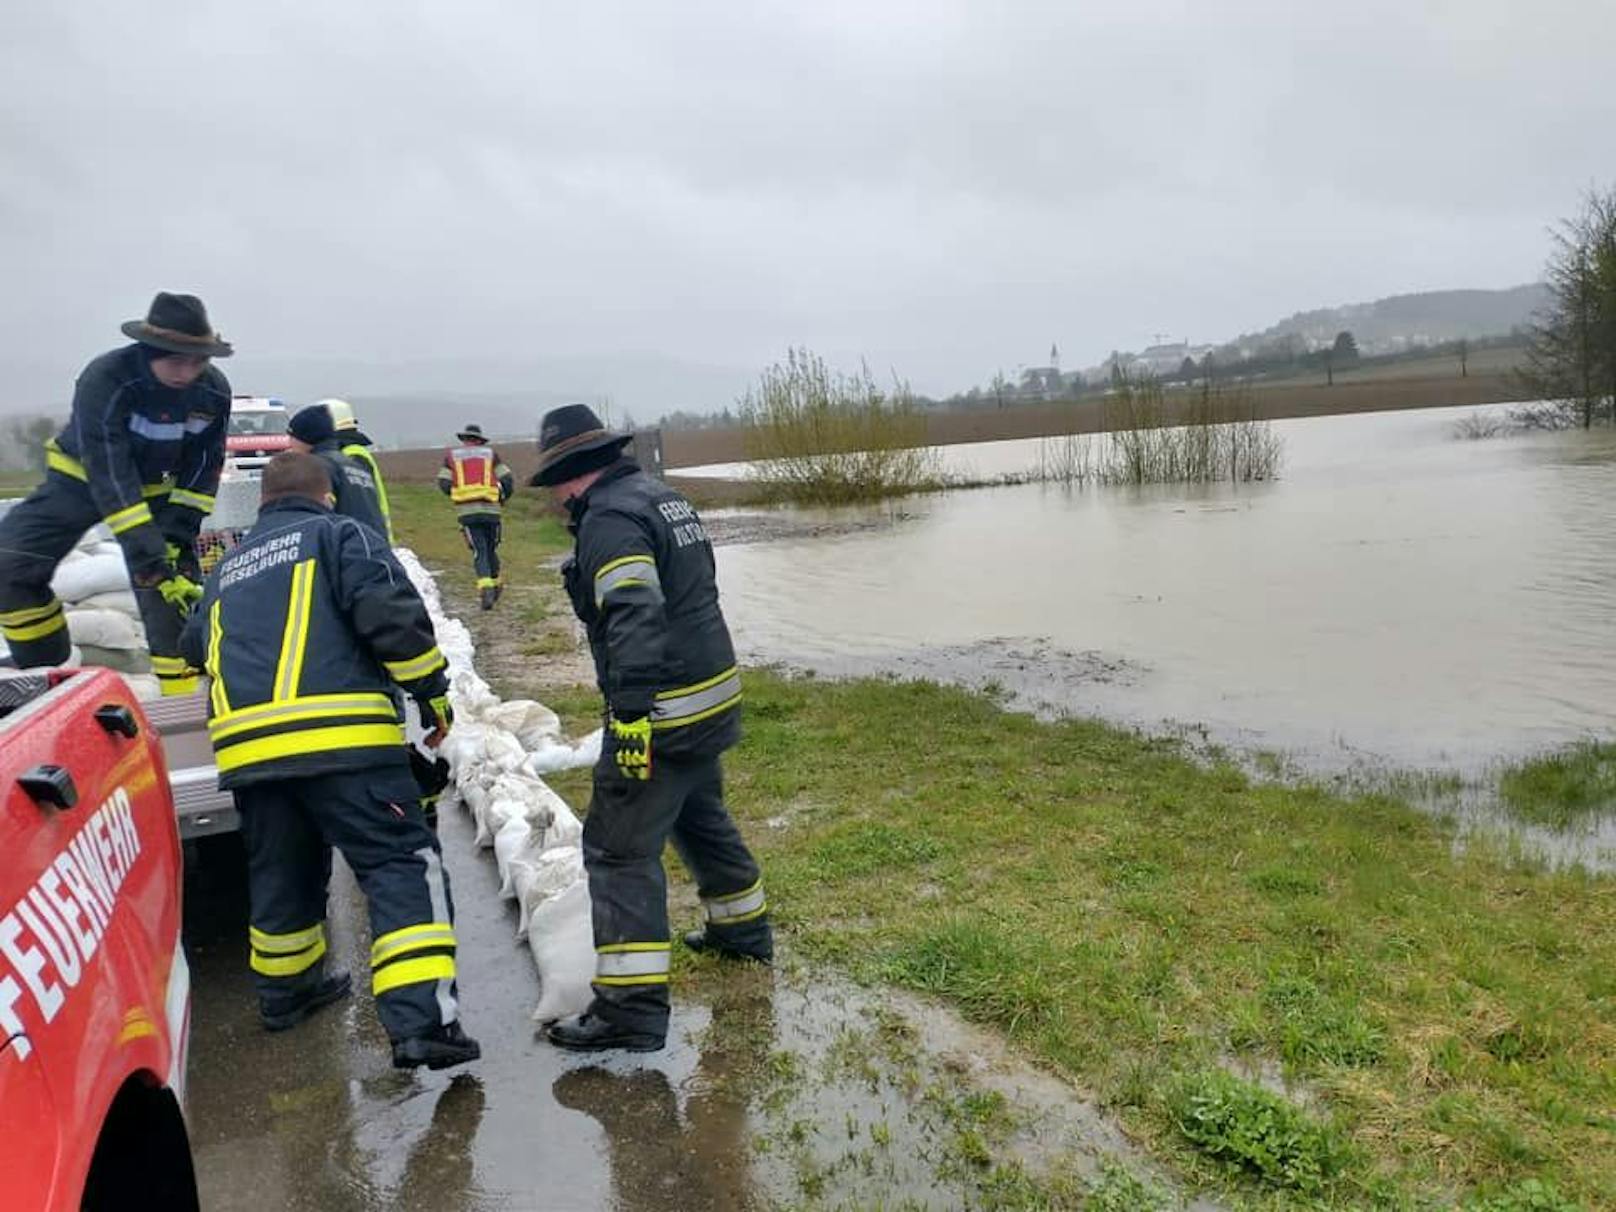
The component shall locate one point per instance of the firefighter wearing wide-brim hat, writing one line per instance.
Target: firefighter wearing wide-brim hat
(142, 452)
(475, 478)
(306, 628)
(641, 579)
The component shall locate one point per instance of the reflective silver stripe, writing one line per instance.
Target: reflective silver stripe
(633, 963)
(670, 709)
(742, 904)
(197, 424)
(157, 431)
(448, 1011)
(637, 570)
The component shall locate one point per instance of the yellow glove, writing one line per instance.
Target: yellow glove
(631, 747)
(181, 593)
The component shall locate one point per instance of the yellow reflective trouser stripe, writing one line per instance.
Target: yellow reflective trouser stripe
(128, 518)
(416, 667)
(220, 700)
(312, 707)
(680, 691)
(689, 704)
(411, 938)
(170, 687)
(285, 944)
(192, 500)
(632, 964)
(33, 623)
(313, 740)
(736, 907)
(56, 460)
(487, 582)
(286, 954)
(412, 972)
(295, 638)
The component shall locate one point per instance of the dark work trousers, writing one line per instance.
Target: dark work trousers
(482, 536)
(35, 536)
(629, 823)
(374, 818)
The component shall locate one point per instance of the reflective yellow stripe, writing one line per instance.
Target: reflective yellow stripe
(290, 714)
(128, 518)
(615, 948)
(287, 965)
(416, 667)
(357, 451)
(191, 500)
(411, 938)
(314, 740)
(30, 614)
(300, 602)
(487, 582)
(337, 704)
(285, 944)
(681, 691)
(221, 701)
(57, 460)
(412, 972)
(52, 622)
(660, 978)
(170, 687)
(153, 490)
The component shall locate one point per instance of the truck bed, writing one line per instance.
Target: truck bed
(198, 803)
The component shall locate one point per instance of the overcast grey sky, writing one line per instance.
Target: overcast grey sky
(943, 187)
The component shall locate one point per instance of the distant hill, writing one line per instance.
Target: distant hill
(1402, 322)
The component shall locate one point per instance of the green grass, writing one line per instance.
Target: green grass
(1562, 788)
(1146, 924)
(19, 483)
(424, 520)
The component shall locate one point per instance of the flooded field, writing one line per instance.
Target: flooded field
(1396, 596)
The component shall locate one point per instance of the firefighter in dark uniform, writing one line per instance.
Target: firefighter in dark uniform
(356, 444)
(641, 579)
(475, 478)
(141, 452)
(313, 430)
(304, 630)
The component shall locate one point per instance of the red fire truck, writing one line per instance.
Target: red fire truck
(95, 992)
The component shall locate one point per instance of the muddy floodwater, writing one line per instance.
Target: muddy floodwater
(1398, 595)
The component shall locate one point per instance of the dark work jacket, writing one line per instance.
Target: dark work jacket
(304, 629)
(353, 485)
(642, 581)
(150, 455)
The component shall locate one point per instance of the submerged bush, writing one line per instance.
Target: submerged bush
(1210, 437)
(820, 437)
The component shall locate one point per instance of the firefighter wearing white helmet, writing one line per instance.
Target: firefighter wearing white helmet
(353, 442)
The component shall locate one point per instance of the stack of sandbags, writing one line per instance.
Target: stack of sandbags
(497, 752)
(93, 585)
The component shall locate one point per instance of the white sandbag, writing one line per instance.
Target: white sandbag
(83, 576)
(556, 755)
(95, 543)
(122, 601)
(553, 822)
(105, 629)
(563, 944)
(533, 724)
(502, 750)
(123, 660)
(553, 872)
(513, 838)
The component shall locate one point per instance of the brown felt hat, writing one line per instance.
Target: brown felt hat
(573, 440)
(178, 324)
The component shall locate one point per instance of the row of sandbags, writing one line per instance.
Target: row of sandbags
(93, 585)
(499, 753)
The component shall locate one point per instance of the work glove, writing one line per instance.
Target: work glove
(437, 717)
(180, 592)
(631, 747)
(182, 556)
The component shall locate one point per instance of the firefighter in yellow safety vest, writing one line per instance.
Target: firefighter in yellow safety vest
(475, 478)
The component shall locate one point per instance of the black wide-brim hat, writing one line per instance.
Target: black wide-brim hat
(471, 433)
(572, 440)
(178, 324)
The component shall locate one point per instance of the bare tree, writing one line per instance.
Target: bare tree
(1571, 353)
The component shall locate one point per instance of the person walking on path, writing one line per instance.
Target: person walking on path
(141, 452)
(313, 430)
(475, 478)
(304, 629)
(641, 579)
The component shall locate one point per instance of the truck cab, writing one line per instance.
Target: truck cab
(257, 434)
(95, 992)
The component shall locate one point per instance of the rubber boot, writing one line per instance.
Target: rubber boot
(282, 1016)
(440, 1048)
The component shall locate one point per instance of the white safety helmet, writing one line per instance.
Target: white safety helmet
(342, 414)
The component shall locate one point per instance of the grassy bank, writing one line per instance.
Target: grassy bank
(1303, 999)
(1163, 933)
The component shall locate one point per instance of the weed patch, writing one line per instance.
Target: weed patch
(1563, 788)
(1254, 1130)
